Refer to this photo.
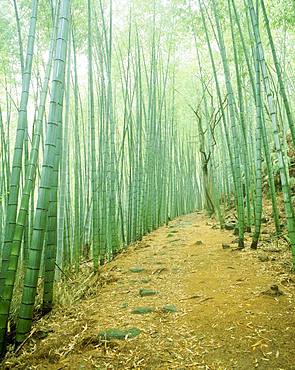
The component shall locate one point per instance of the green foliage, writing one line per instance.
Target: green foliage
(110, 334)
(9, 54)
(282, 14)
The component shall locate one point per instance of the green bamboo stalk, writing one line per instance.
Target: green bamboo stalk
(32, 271)
(245, 150)
(95, 223)
(290, 117)
(273, 115)
(231, 103)
(11, 210)
(24, 204)
(51, 229)
(258, 205)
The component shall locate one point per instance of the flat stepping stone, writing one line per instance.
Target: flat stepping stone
(185, 224)
(142, 310)
(170, 308)
(263, 258)
(113, 333)
(136, 269)
(175, 270)
(273, 291)
(230, 226)
(147, 292)
(199, 242)
(272, 250)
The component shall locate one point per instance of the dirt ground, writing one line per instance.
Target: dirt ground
(227, 315)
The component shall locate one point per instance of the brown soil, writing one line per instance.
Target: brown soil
(227, 316)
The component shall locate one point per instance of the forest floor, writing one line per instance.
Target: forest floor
(227, 315)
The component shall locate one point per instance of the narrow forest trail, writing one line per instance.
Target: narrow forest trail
(224, 318)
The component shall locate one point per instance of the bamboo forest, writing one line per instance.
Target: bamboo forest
(147, 184)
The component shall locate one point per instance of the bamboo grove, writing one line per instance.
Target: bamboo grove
(105, 135)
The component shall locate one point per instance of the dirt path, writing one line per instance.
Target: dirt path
(224, 318)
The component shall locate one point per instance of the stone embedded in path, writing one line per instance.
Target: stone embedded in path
(272, 249)
(273, 291)
(186, 223)
(170, 308)
(142, 310)
(113, 333)
(136, 269)
(147, 292)
(230, 226)
(263, 258)
(199, 242)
